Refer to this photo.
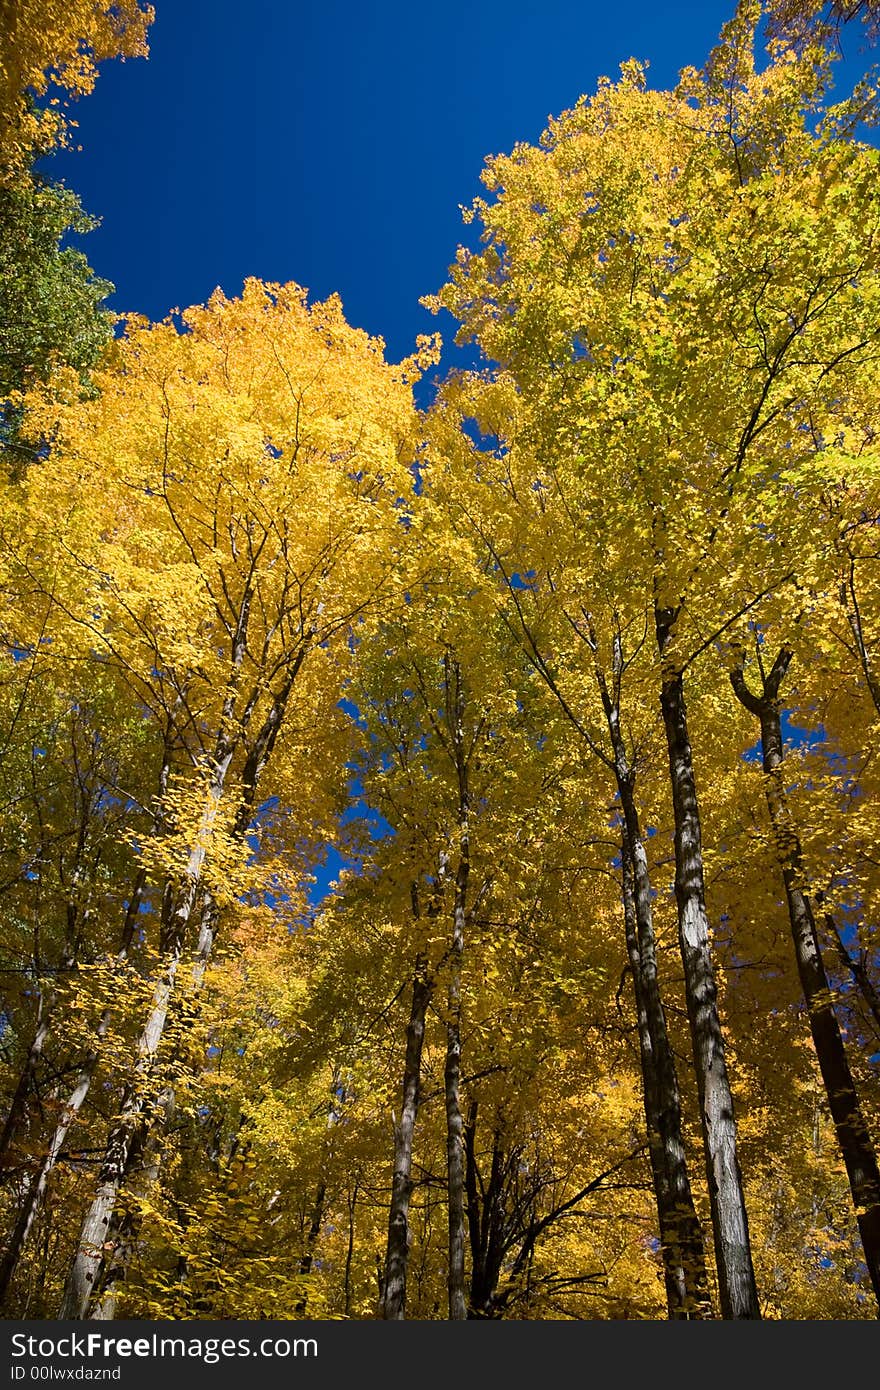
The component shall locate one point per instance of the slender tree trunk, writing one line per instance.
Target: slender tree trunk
(736, 1278)
(475, 1226)
(37, 1184)
(455, 1158)
(16, 1117)
(126, 1223)
(397, 1251)
(121, 1242)
(40, 1180)
(855, 968)
(487, 1218)
(125, 1138)
(681, 1235)
(98, 1248)
(452, 1084)
(306, 1259)
(850, 603)
(349, 1249)
(127, 1133)
(317, 1216)
(98, 1269)
(17, 1110)
(853, 1135)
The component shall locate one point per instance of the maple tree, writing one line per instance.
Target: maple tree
(623, 311)
(574, 675)
(256, 509)
(787, 14)
(56, 43)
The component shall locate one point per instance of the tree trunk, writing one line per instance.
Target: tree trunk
(856, 968)
(853, 1134)
(17, 1112)
(486, 1218)
(16, 1117)
(120, 1245)
(397, 1251)
(452, 1085)
(736, 1278)
(308, 1255)
(127, 1134)
(126, 1223)
(40, 1180)
(349, 1250)
(681, 1235)
(125, 1139)
(455, 1181)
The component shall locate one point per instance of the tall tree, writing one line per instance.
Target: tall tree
(856, 1147)
(652, 285)
(260, 419)
(43, 43)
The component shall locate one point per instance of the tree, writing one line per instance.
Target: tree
(44, 43)
(51, 303)
(800, 15)
(653, 287)
(854, 1136)
(252, 510)
(257, 612)
(553, 619)
(52, 312)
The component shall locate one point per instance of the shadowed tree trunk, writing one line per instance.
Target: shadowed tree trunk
(452, 1087)
(733, 1255)
(126, 1136)
(145, 1157)
(39, 1181)
(853, 1134)
(123, 1145)
(397, 1252)
(38, 1184)
(509, 1210)
(681, 1235)
(308, 1255)
(455, 1158)
(857, 969)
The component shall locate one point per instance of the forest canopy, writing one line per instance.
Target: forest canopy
(572, 668)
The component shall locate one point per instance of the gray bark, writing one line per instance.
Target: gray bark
(454, 1119)
(733, 1255)
(96, 1245)
(397, 1251)
(681, 1235)
(125, 1139)
(35, 1188)
(853, 1135)
(40, 1180)
(455, 1158)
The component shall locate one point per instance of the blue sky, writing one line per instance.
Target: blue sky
(331, 142)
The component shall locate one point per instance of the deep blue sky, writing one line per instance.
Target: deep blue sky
(332, 142)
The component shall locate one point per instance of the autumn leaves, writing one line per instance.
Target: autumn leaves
(546, 1049)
